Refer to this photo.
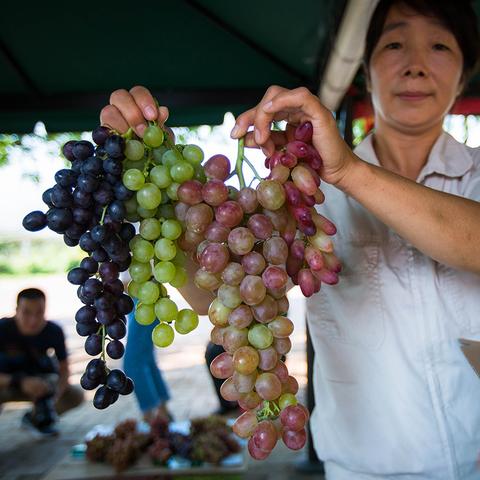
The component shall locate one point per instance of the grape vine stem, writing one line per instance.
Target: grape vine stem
(239, 162)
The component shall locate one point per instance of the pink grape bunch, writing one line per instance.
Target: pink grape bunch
(248, 243)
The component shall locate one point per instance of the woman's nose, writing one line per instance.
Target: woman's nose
(415, 64)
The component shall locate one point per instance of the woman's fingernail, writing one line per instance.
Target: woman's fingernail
(140, 129)
(267, 106)
(235, 131)
(150, 112)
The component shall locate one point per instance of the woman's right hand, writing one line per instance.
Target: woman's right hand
(132, 109)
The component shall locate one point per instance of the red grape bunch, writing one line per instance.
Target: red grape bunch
(248, 244)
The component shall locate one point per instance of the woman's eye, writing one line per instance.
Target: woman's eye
(393, 46)
(440, 46)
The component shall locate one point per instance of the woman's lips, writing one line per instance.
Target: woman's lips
(413, 96)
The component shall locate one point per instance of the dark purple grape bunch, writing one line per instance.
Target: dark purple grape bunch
(86, 206)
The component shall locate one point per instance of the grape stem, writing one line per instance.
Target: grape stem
(254, 170)
(104, 211)
(270, 411)
(104, 334)
(239, 162)
(128, 135)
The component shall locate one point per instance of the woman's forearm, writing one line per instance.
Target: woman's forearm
(443, 226)
(198, 299)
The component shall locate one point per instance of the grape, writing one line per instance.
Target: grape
(160, 176)
(275, 250)
(143, 251)
(133, 179)
(228, 390)
(229, 295)
(190, 192)
(290, 386)
(144, 314)
(164, 272)
(268, 358)
(282, 345)
(216, 232)
(153, 136)
(303, 180)
(281, 371)
(260, 225)
(222, 366)
(233, 274)
(115, 349)
(266, 310)
(245, 360)
(241, 240)
(255, 452)
(206, 280)
(93, 344)
(274, 277)
(234, 338)
(35, 221)
(187, 320)
(293, 418)
(249, 400)
(245, 424)
(281, 327)
(165, 249)
(286, 399)
(265, 436)
(214, 193)
(270, 194)
(134, 150)
(198, 218)
(252, 290)
(217, 167)
(140, 272)
(180, 279)
(219, 313)
(253, 263)
(193, 154)
(148, 292)
(77, 276)
(260, 336)
(149, 196)
(150, 228)
(229, 214)
(166, 310)
(268, 386)
(214, 258)
(247, 198)
(294, 440)
(241, 317)
(181, 172)
(163, 335)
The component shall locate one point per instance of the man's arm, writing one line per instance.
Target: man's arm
(5, 380)
(63, 375)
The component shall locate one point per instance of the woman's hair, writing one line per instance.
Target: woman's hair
(457, 16)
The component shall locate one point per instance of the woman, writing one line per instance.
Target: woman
(395, 397)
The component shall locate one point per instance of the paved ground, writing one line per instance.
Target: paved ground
(23, 458)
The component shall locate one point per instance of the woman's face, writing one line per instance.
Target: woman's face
(415, 71)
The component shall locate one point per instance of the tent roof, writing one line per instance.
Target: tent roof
(200, 57)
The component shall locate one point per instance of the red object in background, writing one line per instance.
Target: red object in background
(463, 106)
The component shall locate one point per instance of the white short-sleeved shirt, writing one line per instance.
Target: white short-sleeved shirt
(395, 397)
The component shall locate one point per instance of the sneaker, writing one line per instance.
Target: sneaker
(39, 431)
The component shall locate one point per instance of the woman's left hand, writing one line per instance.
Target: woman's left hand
(297, 106)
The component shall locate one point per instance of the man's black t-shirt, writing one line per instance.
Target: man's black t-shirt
(30, 354)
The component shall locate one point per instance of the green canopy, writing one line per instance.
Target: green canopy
(201, 58)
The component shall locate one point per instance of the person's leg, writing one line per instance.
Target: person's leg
(72, 397)
(139, 364)
(211, 352)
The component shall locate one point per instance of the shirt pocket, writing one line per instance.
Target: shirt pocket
(460, 293)
(352, 312)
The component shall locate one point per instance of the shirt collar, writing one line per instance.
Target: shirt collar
(447, 157)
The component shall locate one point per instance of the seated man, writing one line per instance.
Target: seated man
(29, 371)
